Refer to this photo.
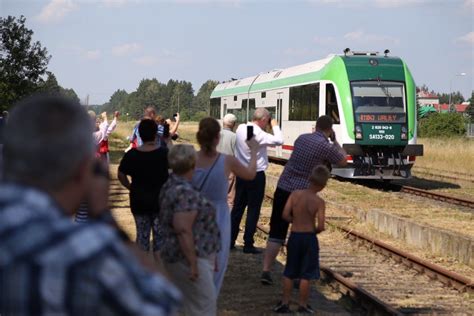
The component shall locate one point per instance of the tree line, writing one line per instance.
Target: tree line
(174, 96)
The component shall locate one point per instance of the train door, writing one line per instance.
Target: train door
(278, 117)
(278, 109)
(332, 109)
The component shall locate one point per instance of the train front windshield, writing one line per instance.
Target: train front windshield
(379, 101)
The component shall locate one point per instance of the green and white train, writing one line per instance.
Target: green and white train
(370, 97)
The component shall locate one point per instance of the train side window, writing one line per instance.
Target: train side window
(304, 103)
(251, 108)
(332, 108)
(264, 95)
(215, 108)
(235, 98)
(242, 113)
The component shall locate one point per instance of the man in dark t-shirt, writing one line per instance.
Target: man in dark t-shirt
(309, 151)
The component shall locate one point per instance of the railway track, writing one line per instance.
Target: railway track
(452, 175)
(437, 196)
(387, 280)
(409, 190)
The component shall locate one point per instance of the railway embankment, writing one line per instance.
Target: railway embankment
(436, 240)
(435, 229)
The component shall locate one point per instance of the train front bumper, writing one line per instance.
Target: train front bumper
(379, 162)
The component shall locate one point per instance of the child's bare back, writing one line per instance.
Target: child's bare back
(305, 206)
(301, 210)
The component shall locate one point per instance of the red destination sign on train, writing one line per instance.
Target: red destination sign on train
(377, 117)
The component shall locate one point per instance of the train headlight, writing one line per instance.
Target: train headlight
(358, 132)
(404, 133)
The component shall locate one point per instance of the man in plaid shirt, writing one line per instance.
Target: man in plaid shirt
(309, 151)
(49, 265)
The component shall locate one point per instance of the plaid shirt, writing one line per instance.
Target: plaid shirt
(50, 266)
(309, 151)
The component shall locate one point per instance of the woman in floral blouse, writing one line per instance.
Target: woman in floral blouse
(191, 237)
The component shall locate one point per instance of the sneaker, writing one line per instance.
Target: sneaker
(266, 278)
(306, 309)
(252, 250)
(281, 308)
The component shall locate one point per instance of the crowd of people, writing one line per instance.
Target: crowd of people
(187, 206)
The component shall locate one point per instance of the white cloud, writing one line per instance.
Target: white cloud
(469, 3)
(145, 61)
(56, 10)
(468, 38)
(376, 3)
(234, 3)
(398, 3)
(362, 37)
(117, 3)
(92, 54)
(126, 49)
(324, 40)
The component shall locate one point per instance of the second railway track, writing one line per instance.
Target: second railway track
(388, 280)
(409, 190)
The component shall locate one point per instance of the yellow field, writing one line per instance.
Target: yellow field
(455, 155)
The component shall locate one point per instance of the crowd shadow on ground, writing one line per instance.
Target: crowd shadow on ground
(395, 185)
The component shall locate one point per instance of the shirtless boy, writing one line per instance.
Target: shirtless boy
(301, 209)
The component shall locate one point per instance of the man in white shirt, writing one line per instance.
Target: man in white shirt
(251, 193)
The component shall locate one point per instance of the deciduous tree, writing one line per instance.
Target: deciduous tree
(23, 62)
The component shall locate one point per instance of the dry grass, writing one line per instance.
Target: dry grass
(453, 155)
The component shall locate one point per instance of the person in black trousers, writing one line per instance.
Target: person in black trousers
(251, 193)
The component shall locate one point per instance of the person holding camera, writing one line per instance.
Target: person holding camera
(250, 193)
(310, 150)
(104, 142)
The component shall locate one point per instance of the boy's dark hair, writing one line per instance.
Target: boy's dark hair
(319, 175)
(324, 123)
(147, 130)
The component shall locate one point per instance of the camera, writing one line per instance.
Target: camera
(166, 130)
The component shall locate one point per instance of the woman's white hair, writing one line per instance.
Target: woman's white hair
(182, 158)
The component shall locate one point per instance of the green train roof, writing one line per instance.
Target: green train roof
(356, 67)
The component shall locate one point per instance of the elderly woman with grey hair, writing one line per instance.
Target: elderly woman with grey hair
(191, 236)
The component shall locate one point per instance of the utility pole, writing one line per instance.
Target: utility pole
(451, 88)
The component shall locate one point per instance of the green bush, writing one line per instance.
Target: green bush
(442, 125)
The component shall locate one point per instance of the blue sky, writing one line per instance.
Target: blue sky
(103, 45)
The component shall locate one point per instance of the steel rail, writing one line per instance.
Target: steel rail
(372, 304)
(437, 196)
(434, 271)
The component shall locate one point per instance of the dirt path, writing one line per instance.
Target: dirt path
(242, 293)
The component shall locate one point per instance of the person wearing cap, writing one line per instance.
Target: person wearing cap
(227, 146)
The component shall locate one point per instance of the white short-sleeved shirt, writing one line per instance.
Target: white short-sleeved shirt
(242, 151)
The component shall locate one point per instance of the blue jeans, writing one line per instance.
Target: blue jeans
(247, 193)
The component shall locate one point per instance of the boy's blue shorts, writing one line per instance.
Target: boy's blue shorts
(302, 261)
